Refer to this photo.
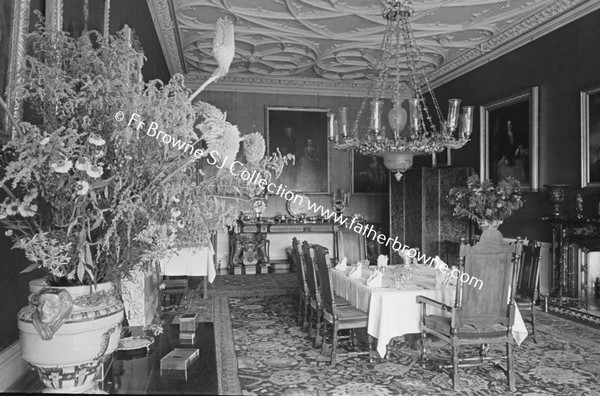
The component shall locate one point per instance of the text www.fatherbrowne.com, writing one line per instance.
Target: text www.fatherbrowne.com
(279, 190)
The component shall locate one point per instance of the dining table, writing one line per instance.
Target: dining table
(392, 307)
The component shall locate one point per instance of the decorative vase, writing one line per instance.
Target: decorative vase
(558, 193)
(487, 224)
(67, 332)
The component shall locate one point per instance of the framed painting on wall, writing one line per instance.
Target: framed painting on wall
(302, 132)
(590, 138)
(369, 175)
(509, 139)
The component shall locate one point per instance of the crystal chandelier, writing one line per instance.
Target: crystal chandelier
(400, 54)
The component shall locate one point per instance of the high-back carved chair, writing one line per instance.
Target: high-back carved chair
(303, 293)
(315, 310)
(314, 303)
(483, 313)
(339, 317)
(528, 275)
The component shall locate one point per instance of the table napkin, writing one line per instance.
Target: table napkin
(356, 271)
(375, 280)
(342, 265)
(382, 260)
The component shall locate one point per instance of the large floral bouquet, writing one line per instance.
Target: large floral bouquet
(90, 197)
(481, 200)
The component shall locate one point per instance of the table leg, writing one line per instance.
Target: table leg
(205, 287)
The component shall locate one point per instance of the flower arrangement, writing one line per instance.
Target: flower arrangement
(89, 199)
(482, 201)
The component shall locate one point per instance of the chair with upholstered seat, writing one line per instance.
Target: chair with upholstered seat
(480, 316)
(303, 293)
(528, 274)
(339, 317)
(315, 306)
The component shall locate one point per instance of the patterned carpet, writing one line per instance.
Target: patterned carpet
(262, 352)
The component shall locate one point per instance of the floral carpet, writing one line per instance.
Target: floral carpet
(274, 357)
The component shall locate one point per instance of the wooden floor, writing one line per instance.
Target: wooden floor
(142, 375)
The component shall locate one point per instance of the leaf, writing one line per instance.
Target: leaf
(80, 271)
(30, 268)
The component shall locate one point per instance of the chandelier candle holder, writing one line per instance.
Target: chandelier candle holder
(400, 73)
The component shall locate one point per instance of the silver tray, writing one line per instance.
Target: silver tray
(134, 343)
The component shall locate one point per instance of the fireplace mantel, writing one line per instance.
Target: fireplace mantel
(569, 236)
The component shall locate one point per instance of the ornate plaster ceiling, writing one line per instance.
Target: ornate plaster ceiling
(333, 45)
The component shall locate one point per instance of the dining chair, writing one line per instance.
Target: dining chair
(339, 317)
(303, 293)
(315, 306)
(479, 317)
(527, 289)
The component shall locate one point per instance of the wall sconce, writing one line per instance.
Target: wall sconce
(340, 201)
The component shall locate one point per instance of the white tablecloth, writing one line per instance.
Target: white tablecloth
(394, 312)
(191, 262)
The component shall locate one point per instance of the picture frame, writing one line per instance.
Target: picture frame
(509, 138)
(301, 131)
(12, 42)
(369, 175)
(590, 137)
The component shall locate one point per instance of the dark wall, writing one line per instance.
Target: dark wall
(247, 111)
(562, 64)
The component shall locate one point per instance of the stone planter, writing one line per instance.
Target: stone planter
(67, 346)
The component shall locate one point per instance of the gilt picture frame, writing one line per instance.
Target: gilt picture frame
(369, 175)
(302, 132)
(590, 137)
(509, 138)
(14, 27)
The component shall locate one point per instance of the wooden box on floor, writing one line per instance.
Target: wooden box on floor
(188, 322)
(187, 337)
(179, 359)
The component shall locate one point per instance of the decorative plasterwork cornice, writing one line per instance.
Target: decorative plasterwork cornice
(160, 10)
(288, 86)
(533, 27)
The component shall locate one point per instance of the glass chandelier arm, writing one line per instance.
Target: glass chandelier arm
(419, 54)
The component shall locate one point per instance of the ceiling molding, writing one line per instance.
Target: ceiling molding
(160, 10)
(275, 46)
(530, 29)
(288, 86)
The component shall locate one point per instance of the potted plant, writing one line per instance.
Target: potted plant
(92, 196)
(486, 203)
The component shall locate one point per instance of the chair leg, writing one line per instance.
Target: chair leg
(300, 309)
(334, 341)
(311, 315)
(455, 362)
(423, 346)
(324, 341)
(510, 367)
(317, 341)
(305, 313)
(533, 323)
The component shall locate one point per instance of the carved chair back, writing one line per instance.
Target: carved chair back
(528, 270)
(299, 265)
(323, 267)
(311, 275)
(482, 301)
